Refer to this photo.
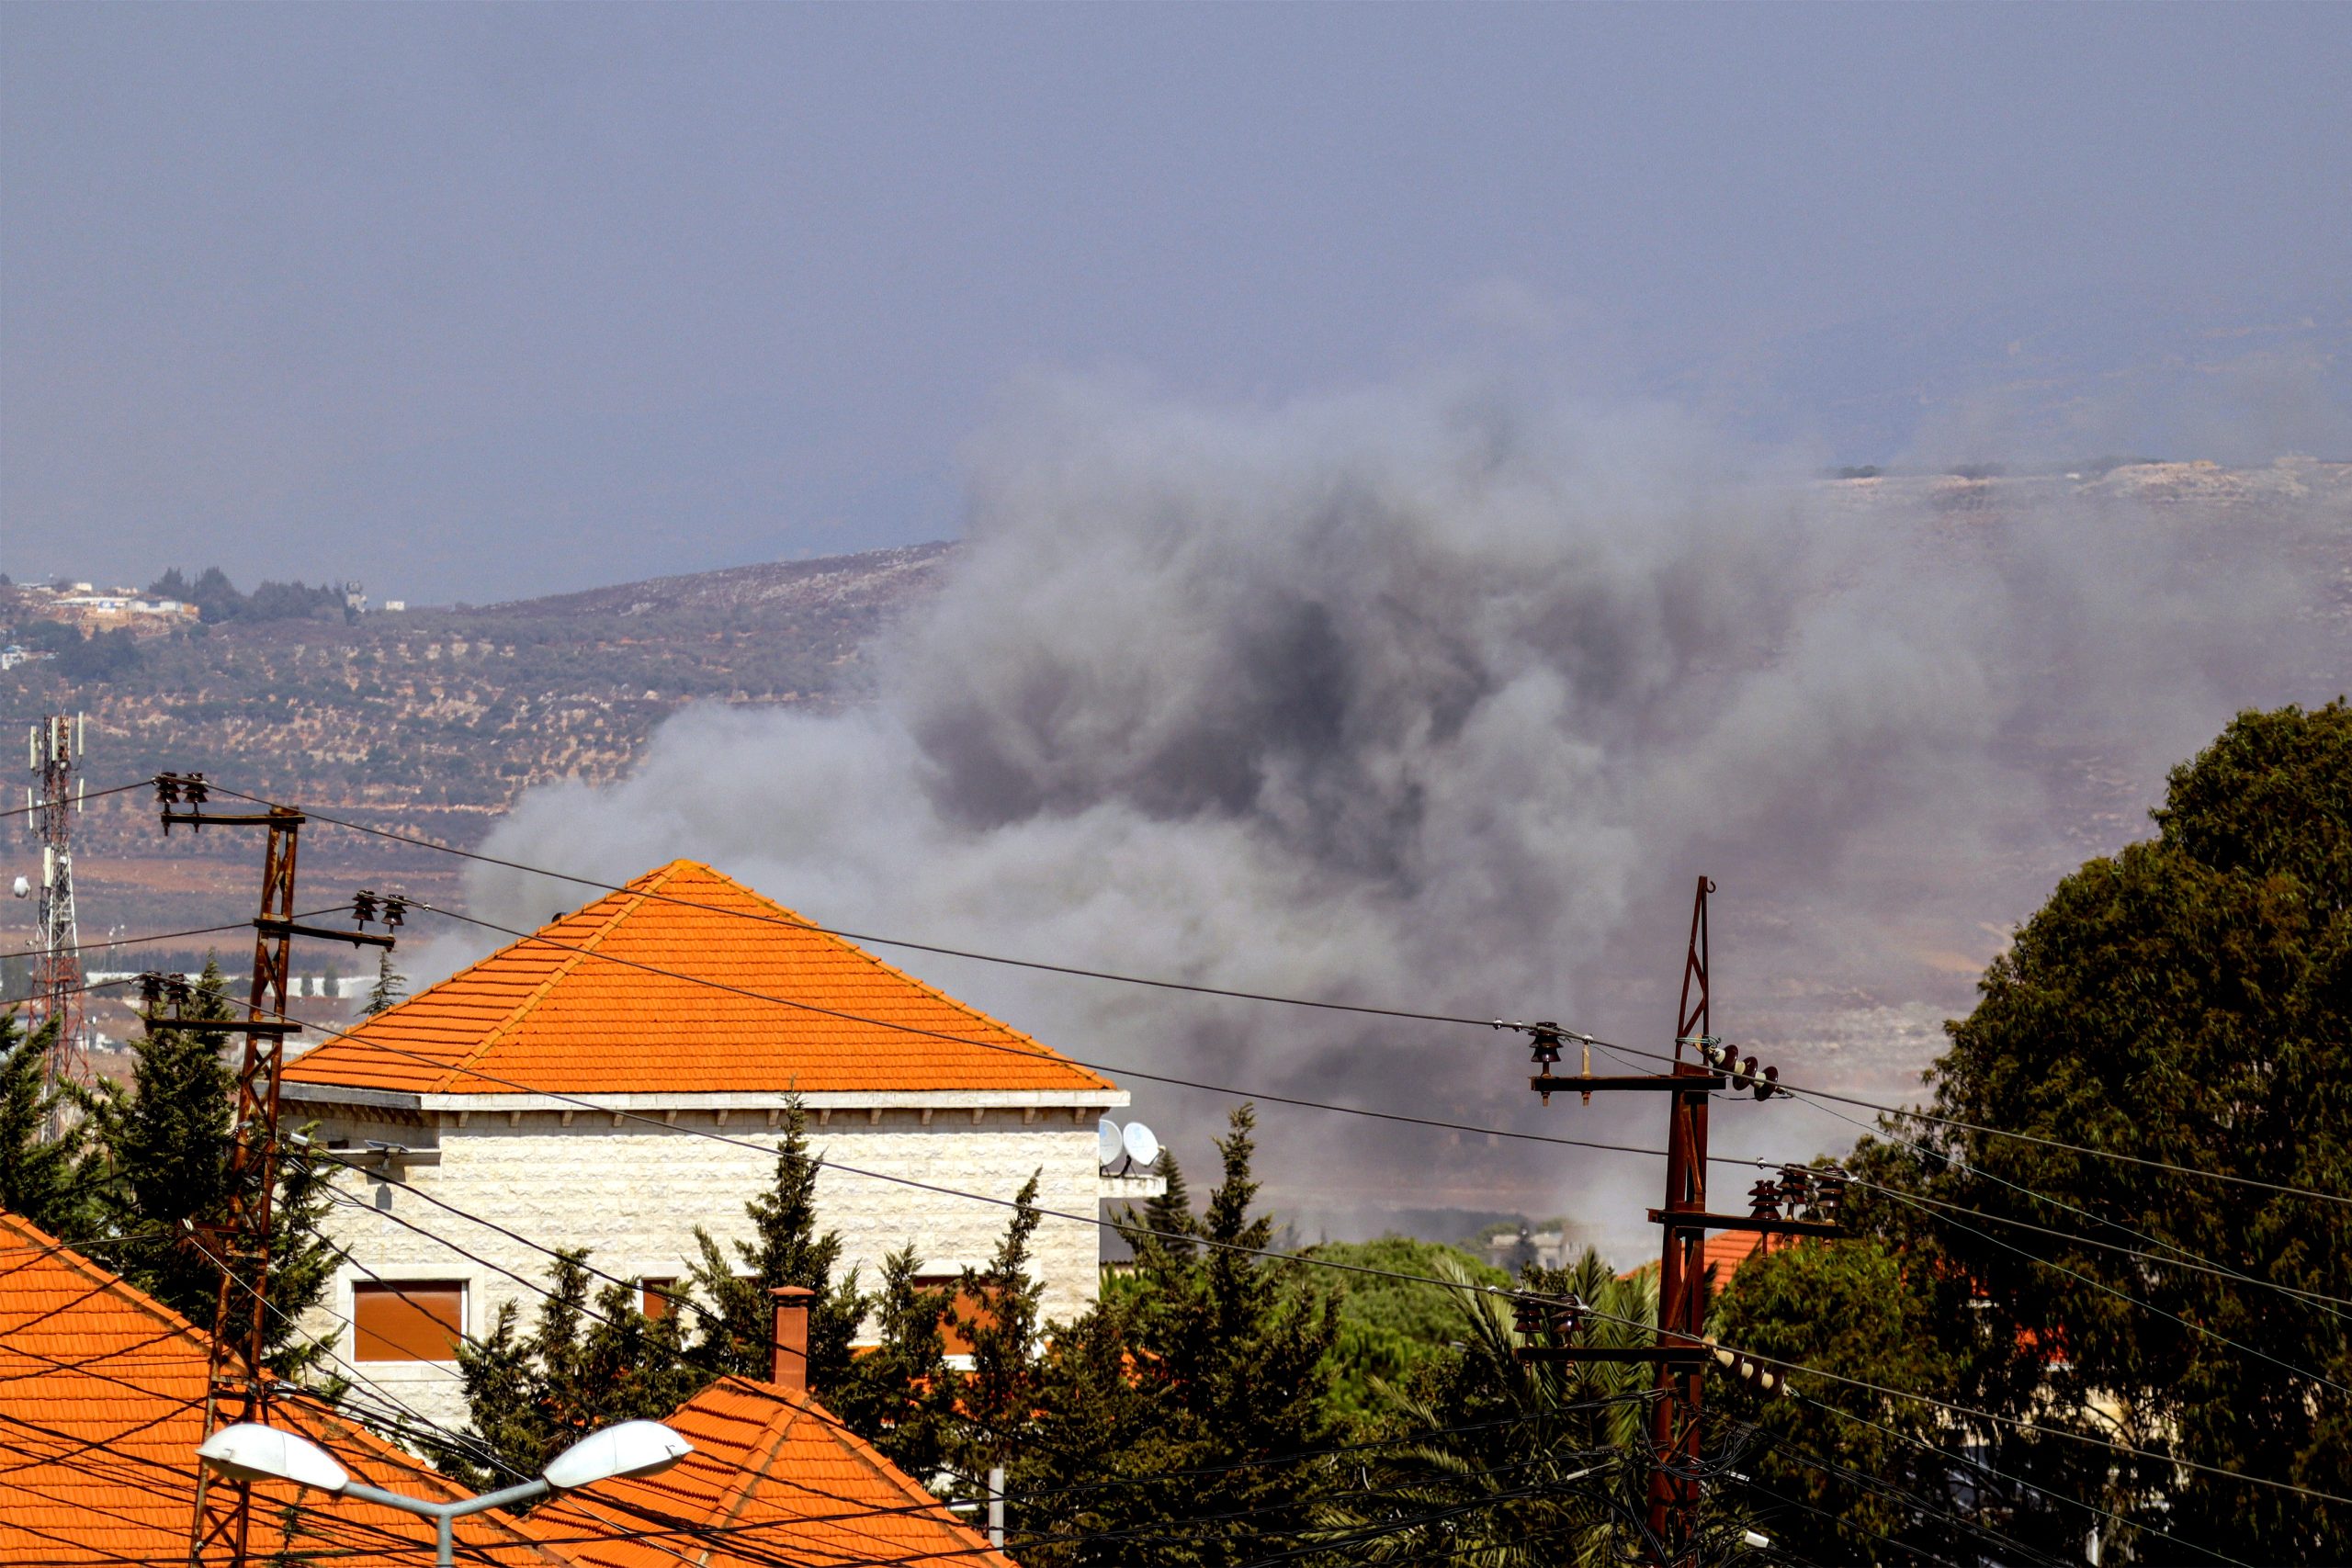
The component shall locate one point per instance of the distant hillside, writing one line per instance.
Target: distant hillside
(795, 589)
(436, 719)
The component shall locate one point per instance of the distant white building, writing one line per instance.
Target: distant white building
(554, 1090)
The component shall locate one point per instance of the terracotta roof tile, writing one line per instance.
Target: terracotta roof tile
(773, 1478)
(609, 999)
(102, 1406)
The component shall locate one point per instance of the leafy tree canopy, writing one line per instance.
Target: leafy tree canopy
(1389, 1329)
(2186, 1002)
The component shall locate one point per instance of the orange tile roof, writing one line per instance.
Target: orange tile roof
(102, 1406)
(773, 1478)
(600, 1002)
(1724, 1252)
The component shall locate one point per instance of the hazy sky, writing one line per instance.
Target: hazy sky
(478, 301)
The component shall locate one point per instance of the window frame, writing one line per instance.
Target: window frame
(407, 1292)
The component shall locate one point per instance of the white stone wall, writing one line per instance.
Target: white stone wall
(634, 1193)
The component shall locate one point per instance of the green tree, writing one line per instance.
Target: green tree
(1211, 1358)
(1847, 1471)
(739, 1326)
(582, 1367)
(40, 1178)
(389, 989)
(160, 1169)
(1510, 1463)
(999, 1319)
(1389, 1327)
(2185, 1002)
(900, 1394)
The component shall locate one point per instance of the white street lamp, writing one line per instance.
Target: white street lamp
(251, 1452)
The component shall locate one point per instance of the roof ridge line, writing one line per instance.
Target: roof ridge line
(772, 1438)
(575, 956)
(795, 919)
(931, 1505)
(82, 1263)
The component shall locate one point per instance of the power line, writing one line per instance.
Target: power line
(889, 942)
(82, 798)
(2145, 1306)
(1980, 1465)
(1323, 1263)
(2316, 1297)
(1912, 1114)
(524, 936)
(587, 1266)
(2193, 1260)
(174, 936)
(1783, 1364)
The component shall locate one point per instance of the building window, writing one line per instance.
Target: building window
(658, 1298)
(408, 1320)
(965, 1309)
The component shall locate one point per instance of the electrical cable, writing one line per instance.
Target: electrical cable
(1297, 1258)
(152, 938)
(541, 1289)
(84, 798)
(1157, 1477)
(1784, 1365)
(2235, 1475)
(880, 941)
(2191, 1259)
(1979, 1465)
(1878, 1485)
(2146, 1306)
(1913, 1113)
(1040, 1055)
(742, 991)
(2316, 1297)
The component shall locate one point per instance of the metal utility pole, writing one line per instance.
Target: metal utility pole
(241, 1242)
(53, 799)
(1682, 1266)
(1683, 1349)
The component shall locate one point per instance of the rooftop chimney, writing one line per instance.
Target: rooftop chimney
(790, 1366)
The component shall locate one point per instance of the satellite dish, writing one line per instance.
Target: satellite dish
(24, 887)
(1106, 1142)
(1143, 1147)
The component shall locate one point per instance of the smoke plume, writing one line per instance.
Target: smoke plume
(1437, 699)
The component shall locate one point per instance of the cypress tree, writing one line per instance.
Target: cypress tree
(786, 1249)
(160, 1151)
(40, 1178)
(1001, 1322)
(584, 1367)
(900, 1395)
(390, 986)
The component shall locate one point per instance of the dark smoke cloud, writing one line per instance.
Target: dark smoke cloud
(1431, 698)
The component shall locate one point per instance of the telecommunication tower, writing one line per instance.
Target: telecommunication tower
(50, 802)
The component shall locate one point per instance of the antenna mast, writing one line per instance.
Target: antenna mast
(55, 756)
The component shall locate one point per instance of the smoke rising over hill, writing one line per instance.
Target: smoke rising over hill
(1435, 699)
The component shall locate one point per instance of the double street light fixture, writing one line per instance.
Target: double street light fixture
(250, 1452)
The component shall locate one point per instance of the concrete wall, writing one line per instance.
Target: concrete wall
(634, 1193)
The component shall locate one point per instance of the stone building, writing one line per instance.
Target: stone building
(556, 1089)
